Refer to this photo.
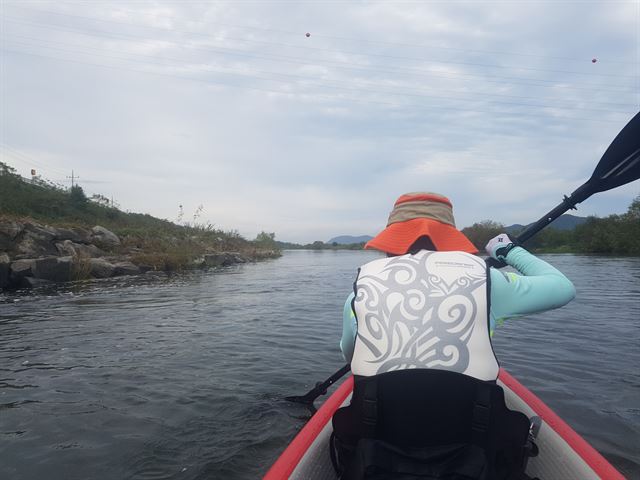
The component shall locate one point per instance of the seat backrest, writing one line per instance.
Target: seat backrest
(420, 408)
(426, 409)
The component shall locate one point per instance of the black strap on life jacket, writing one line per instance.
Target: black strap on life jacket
(369, 409)
(481, 414)
(428, 424)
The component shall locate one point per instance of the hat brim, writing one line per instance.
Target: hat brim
(398, 237)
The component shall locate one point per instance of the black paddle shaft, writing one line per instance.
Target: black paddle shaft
(320, 388)
(570, 202)
(619, 165)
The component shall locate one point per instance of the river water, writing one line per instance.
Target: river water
(182, 377)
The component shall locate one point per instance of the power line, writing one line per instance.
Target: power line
(316, 96)
(27, 160)
(315, 35)
(362, 67)
(229, 51)
(350, 39)
(150, 61)
(339, 87)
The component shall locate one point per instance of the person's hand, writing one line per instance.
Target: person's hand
(496, 245)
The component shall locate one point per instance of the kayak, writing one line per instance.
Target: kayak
(563, 454)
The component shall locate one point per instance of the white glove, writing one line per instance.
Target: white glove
(497, 243)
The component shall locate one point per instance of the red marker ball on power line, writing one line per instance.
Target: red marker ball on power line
(594, 60)
(307, 34)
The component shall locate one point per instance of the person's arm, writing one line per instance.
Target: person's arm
(540, 287)
(349, 330)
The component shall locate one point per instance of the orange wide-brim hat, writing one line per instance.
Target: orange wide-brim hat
(415, 215)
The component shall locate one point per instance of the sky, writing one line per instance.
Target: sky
(230, 106)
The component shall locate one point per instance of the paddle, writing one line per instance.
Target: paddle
(619, 165)
(320, 388)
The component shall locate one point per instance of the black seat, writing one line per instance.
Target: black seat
(428, 424)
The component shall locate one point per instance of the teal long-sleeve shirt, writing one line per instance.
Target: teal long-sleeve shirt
(539, 287)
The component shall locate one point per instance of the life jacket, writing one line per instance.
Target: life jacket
(425, 403)
(428, 310)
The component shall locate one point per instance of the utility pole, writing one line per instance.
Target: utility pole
(72, 177)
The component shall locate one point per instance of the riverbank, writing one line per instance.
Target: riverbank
(34, 253)
(51, 234)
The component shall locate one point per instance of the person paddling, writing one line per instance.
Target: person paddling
(417, 331)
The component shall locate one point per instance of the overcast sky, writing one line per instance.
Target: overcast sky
(230, 105)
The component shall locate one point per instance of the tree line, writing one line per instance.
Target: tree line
(611, 235)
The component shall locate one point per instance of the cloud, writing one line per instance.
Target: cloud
(232, 107)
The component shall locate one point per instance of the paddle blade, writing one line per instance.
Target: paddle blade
(620, 164)
(307, 400)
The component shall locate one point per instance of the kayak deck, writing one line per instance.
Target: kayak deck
(563, 454)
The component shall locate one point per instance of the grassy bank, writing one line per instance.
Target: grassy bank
(146, 240)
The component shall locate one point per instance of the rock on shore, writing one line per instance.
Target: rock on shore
(32, 254)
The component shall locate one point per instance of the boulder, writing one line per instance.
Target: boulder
(219, 259)
(36, 241)
(9, 231)
(125, 268)
(76, 235)
(212, 260)
(87, 250)
(31, 247)
(66, 248)
(102, 236)
(100, 268)
(145, 268)
(73, 249)
(55, 269)
(5, 265)
(22, 268)
(41, 232)
(238, 258)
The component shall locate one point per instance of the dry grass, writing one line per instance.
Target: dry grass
(81, 267)
(164, 261)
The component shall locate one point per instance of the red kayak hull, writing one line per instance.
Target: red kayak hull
(575, 459)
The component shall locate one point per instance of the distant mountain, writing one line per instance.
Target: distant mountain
(564, 222)
(346, 239)
(514, 229)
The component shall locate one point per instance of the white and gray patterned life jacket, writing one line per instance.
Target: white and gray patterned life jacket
(428, 310)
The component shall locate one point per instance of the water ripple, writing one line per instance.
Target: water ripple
(183, 377)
